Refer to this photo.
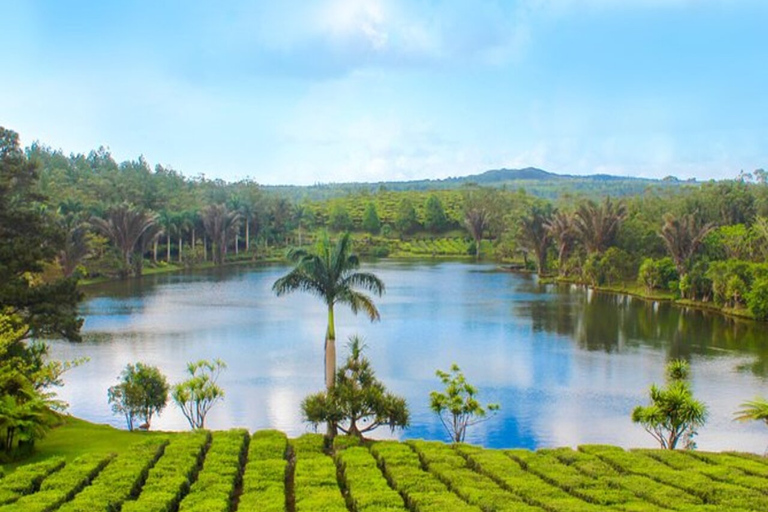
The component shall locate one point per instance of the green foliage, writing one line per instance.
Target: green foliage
(215, 485)
(358, 403)
(673, 415)
(657, 274)
(169, 480)
(118, 481)
(371, 222)
(457, 406)
(757, 299)
(198, 394)
(265, 474)
(753, 410)
(141, 393)
(435, 219)
(406, 221)
(339, 219)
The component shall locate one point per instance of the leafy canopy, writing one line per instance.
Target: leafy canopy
(141, 393)
(457, 407)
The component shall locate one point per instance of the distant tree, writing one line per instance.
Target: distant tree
(406, 221)
(596, 224)
(221, 224)
(358, 402)
(435, 219)
(457, 406)
(141, 393)
(481, 211)
(371, 222)
(533, 235)
(76, 248)
(198, 394)
(339, 218)
(560, 228)
(124, 225)
(683, 236)
(673, 415)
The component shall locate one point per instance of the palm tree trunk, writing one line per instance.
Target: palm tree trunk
(168, 248)
(181, 246)
(330, 364)
(330, 351)
(154, 252)
(237, 244)
(247, 236)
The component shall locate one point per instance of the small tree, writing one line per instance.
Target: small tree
(457, 407)
(358, 402)
(196, 395)
(141, 393)
(673, 414)
(371, 221)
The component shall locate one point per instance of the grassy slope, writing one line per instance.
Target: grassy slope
(77, 437)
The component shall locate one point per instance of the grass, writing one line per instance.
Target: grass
(76, 437)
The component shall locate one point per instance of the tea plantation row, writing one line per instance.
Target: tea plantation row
(266, 472)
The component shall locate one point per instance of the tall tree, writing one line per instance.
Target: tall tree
(220, 224)
(29, 238)
(435, 219)
(533, 235)
(330, 273)
(124, 225)
(481, 209)
(596, 224)
(405, 217)
(560, 228)
(371, 222)
(683, 236)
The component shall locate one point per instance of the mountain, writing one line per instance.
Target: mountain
(535, 181)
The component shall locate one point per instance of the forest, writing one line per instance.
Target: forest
(699, 243)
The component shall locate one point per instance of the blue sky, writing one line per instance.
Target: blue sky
(366, 90)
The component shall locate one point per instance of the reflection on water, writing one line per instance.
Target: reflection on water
(567, 365)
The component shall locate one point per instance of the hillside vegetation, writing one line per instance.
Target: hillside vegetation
(232, 470)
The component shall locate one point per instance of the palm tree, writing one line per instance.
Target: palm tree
(124, 225)
(753, 410)
(560, 227)
(596, 225)
(330, 273)
(220, 224)
(534, 236)
(683, 236)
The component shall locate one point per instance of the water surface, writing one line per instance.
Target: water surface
(567, 365)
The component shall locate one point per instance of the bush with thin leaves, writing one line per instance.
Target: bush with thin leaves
(457, 406)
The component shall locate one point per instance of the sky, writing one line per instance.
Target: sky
(321, 91)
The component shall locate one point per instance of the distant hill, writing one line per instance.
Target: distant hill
(535, 181)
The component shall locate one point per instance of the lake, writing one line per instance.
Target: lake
(566, 364)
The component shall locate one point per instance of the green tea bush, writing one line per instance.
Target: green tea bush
(265, 473)
(473, 487)
(221, 473)
(62, 485)
(421, 490)
(120, 480)
(365, 485)
(27, 479)
(169, 480)
(316, 487)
